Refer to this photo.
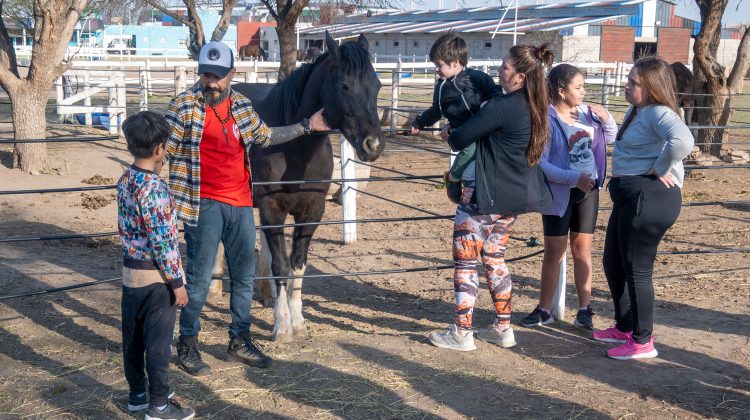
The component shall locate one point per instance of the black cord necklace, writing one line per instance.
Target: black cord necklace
(224, 120)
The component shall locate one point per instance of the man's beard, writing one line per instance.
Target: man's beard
(212, 100)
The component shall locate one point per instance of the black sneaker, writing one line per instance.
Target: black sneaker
(189, 358)
(173, 411)
(537, 318)
(453, 189)
(585, 319)
(140, 402)
(244, 349)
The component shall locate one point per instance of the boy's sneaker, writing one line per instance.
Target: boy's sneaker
(611, 335)
(140, 402)
(189, 358)
(504, 339)
(452, 340)
(633, 350)
(585, 318)
(173, 411)
(244, 349)
(537, 318)
(452, 188)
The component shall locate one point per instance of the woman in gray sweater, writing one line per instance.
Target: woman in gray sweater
(647, 176)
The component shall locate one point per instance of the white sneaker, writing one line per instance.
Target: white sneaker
(504, 339)
(452, 340)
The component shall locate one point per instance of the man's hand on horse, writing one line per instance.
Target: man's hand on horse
(318, 122)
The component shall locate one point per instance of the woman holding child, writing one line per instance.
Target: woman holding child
(510, 132)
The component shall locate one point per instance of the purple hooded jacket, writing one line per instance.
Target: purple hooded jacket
(555, 161)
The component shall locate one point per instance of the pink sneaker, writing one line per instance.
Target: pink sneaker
(611, 335)
(633, 350)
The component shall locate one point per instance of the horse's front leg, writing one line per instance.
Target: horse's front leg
(300, 247)
(282, 328)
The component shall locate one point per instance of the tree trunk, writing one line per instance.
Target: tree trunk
(287, 45)
(29, 122)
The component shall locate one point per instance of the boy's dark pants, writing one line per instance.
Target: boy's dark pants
(148, 316)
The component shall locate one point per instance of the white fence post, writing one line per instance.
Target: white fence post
(605, 88)
(395, 82)
(87, 100)
(348, 195)
(143, 87)
(558, 303)
(122, 103)
(180, 80)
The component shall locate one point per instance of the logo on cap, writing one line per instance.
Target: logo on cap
(213, 54)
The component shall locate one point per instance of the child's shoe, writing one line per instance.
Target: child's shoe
(504, 339)
(611, 335)
(173, 411)
(537, 318)
(138, 402)
(452, 340)
(633, 350)
(585, 318)
(452, 188)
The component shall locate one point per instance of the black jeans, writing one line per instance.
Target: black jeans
(148, 317)
(643, 209)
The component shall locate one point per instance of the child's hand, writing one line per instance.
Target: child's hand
(445, 133)
(600, 112)
(414, 131)
(585, 183)
(180, 297)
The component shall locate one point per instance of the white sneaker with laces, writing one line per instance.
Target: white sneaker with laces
(504, 339)
(452, 340)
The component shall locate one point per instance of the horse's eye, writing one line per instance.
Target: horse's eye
(345, 87)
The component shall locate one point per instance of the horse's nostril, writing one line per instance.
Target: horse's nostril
(371, 144)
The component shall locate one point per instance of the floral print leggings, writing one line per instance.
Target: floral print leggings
(480, 235)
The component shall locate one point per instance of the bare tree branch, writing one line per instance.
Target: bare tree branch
(8, 63)
(274, 13)
(224, 20)
(156, 4)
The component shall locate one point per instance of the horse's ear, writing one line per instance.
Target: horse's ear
(363, 42)
(332, 46)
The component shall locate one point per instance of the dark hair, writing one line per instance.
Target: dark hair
(449, 47)
(144, 131)
(531, 61)
(658, 80)
(560, 77)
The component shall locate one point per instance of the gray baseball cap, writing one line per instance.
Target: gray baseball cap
(215, 58)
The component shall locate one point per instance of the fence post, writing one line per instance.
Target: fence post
(180, 80)
(348, 195)
(122, 103)
(395, 81)
(60, 96)
(112, 102)
(558, 302)
(143, 87)
(87, 99)
(605, 89)
(254, 74)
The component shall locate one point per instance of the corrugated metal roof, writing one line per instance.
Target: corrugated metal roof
(546, 17)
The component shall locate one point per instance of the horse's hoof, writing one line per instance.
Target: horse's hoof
(299, 331)
(283, 338)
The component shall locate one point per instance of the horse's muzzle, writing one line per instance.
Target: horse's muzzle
(372, 146)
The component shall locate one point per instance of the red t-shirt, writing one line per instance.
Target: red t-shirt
(225, 175)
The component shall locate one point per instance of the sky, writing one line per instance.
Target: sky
(685, 8)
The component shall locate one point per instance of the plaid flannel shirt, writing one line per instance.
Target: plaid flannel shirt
(186, 115)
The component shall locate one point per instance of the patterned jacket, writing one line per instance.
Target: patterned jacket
(148, 230)
(186, 115)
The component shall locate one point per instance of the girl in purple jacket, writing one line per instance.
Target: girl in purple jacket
(575, 165)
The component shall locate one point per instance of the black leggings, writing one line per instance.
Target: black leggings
(643, 209)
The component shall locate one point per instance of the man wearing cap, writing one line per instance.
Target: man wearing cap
(213, 129)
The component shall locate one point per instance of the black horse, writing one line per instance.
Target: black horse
(343, 82)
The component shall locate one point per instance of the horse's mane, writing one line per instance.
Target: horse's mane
(286, 97)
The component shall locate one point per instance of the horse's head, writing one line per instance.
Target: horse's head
(350, 95)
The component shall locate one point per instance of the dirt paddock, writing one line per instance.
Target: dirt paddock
(367, 355)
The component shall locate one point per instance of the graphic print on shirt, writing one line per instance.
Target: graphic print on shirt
(236, 131)
(580, 141)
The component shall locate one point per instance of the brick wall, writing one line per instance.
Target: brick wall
(617, 44)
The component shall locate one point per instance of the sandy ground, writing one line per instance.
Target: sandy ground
(367, 355)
